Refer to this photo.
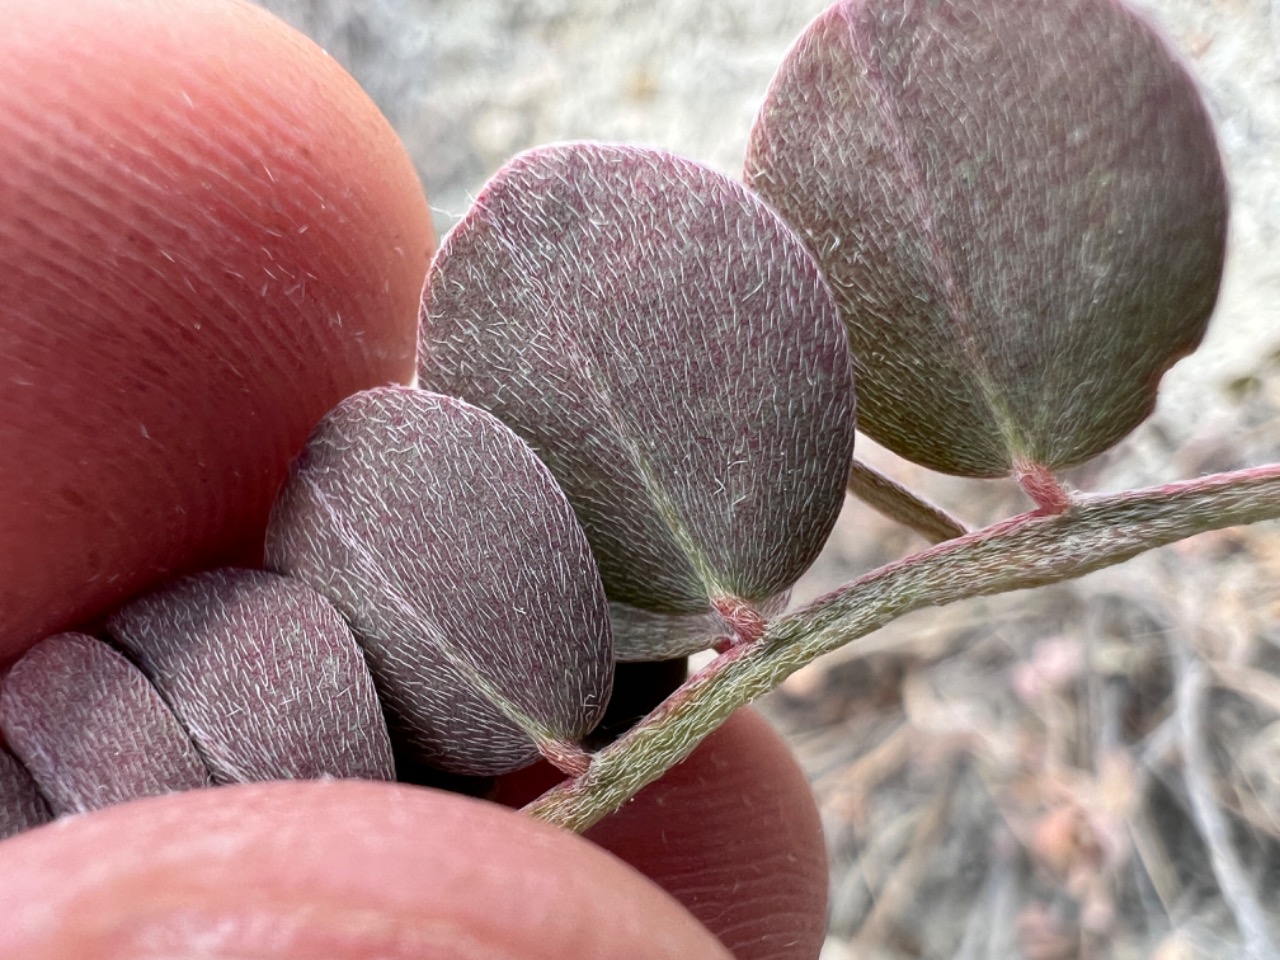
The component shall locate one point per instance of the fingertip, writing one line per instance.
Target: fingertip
(340, 869)
(211, 237)
(734, 834)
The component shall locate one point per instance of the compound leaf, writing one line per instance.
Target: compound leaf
(668, 347)
(91, 729)
(462, 570)
(1020, 207)
(21, 805)
(263, 672)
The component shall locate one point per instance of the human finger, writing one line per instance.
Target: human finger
(339, 869)
(208, 237)
(733, 833)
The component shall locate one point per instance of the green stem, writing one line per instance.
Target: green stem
(896, 502)
(1030, 550)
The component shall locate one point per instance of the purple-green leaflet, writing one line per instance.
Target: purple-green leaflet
(21, 805)
(669, 348)
(264, 674)
(91, 729)
(462, 570)
(1020, 207)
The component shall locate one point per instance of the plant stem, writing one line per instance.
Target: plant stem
(1029, 550)
(1249, 914)
(564, 755)
(1043, 487)
(896, 502)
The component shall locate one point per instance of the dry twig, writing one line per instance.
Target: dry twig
(1237, 891)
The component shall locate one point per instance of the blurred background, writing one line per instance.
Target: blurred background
(1090, 770)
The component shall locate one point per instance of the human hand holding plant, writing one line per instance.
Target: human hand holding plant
(156, 159)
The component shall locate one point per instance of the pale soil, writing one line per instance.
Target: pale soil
(1016, 778)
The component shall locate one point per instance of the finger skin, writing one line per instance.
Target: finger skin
(733, 833)
(335, 869)
(208, 236)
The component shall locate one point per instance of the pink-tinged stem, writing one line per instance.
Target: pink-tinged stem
(1030, 550)
(565, 756)
(1043, 487)
(744, 621)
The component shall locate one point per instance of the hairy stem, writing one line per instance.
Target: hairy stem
(1043, 487)
(1030, 550)
(898, 503)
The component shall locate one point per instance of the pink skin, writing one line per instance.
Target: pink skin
(190, 198)
(352, 869)
(732, 833)
(208, 236)
(330, 869)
